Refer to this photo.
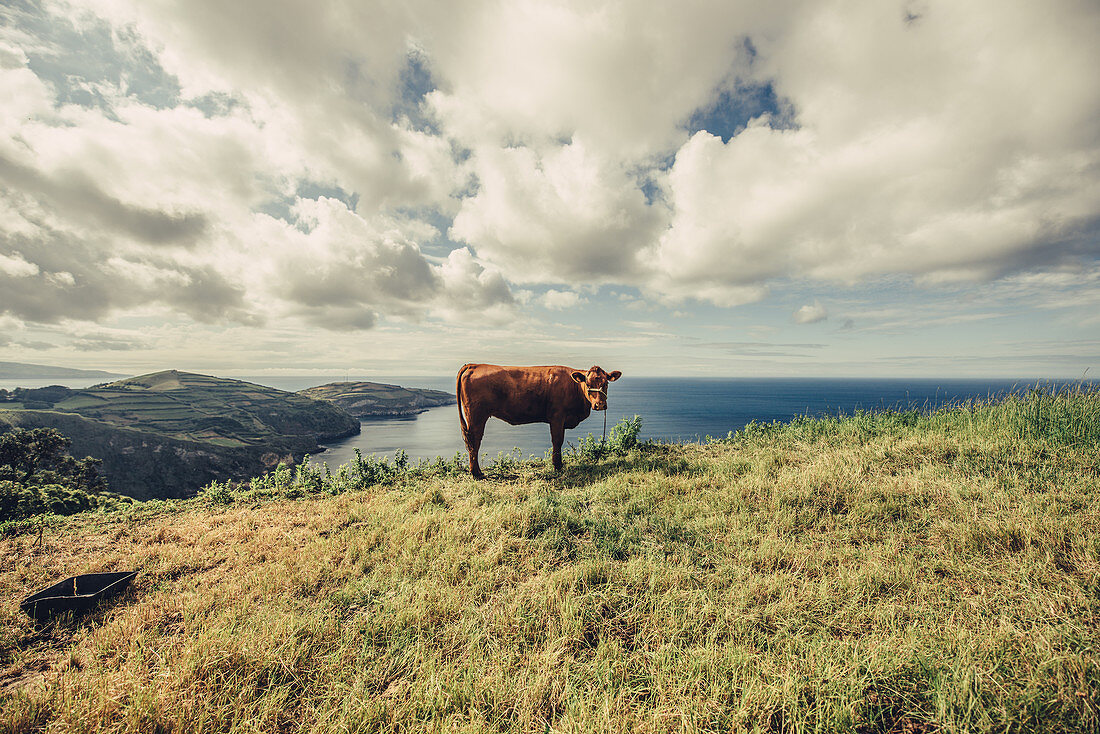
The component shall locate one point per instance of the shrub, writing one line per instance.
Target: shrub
(622, 439)
(218, 493)
(505, 463)
(19, 501)
(36, 476)
(624, 435)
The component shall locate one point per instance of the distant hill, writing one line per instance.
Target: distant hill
(204, 408)
(375, 399)
(25, 371)
(166, 434)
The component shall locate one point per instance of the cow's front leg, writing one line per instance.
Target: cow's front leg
(557, 438)
(473, 435)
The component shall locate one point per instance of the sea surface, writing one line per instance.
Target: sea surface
(680, 409)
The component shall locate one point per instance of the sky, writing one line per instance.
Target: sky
(700, 188)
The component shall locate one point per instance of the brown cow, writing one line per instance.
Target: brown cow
(560, 396)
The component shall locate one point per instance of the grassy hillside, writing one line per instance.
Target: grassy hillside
(203, 408)
(886, 572)
(168, 433)
(371, 399)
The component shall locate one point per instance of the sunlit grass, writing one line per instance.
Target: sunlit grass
(906, 571)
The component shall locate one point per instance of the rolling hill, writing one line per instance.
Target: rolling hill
(375, 399)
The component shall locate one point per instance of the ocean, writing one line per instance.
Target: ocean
(679, 409)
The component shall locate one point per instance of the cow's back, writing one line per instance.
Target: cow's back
(519, 395)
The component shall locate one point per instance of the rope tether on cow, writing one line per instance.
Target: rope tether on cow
(601, 391)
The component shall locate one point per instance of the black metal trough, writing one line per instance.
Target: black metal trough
(76, 594)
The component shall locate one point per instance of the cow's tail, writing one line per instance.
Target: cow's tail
(460, 394)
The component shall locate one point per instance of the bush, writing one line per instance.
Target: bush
(622, 439)
(36, 476)
(624, 435)
(218, 493)
(505, 463)
(19, 501)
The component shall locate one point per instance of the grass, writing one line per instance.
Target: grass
(884, 572)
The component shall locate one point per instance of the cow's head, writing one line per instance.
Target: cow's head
(594, 382)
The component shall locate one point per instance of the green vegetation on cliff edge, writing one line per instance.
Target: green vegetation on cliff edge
(901, 572)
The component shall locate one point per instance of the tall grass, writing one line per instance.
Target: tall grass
(909, 571)
(1067, 416)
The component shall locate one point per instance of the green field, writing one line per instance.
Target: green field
(895, 572)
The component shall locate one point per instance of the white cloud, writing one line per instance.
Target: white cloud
(12, 57)
(569, 215)
(810, 314)
(560, 300)
(335, 268)
(22, 94)
(323, 81)
(15, 266)
(469, 288)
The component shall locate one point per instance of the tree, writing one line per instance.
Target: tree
(37, 476)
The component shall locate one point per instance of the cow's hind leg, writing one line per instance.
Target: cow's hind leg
(557, 438)
(472, 435)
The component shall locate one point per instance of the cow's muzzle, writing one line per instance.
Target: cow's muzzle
(597, 404)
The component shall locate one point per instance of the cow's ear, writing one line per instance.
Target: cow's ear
(612, 376)
(578, 377)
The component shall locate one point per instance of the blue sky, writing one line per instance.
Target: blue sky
(703, 188)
